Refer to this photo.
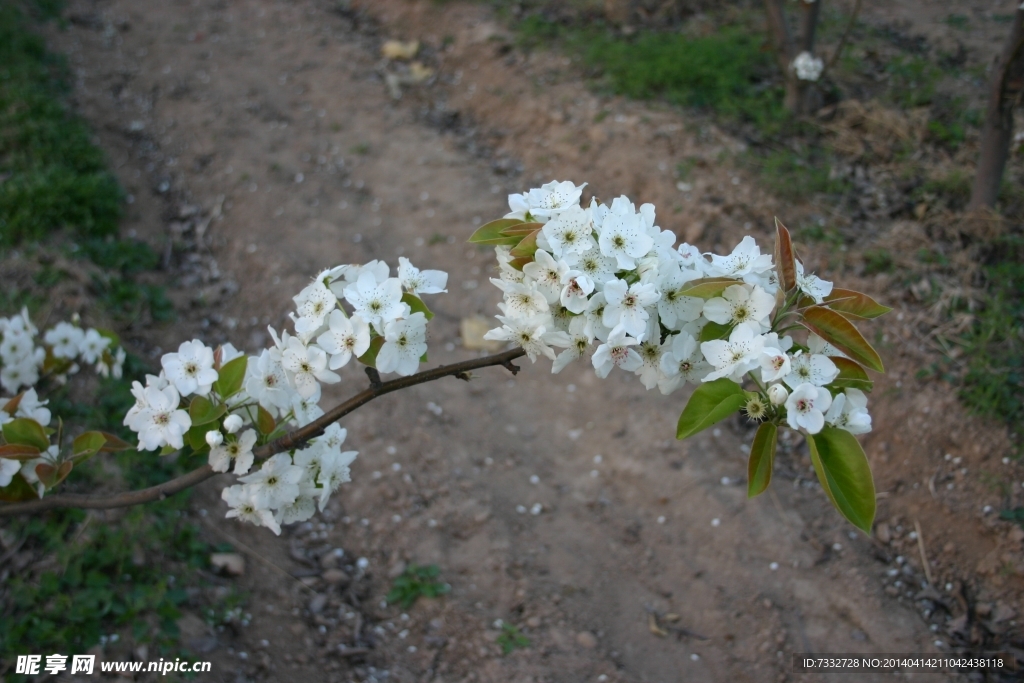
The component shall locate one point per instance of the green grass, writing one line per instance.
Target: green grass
(417, 582)
(511, 639)
(794, 176)
(53, 175)
(912, 81)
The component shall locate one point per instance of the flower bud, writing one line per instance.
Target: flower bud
(777, 394)
(232, 423)
(214, 438)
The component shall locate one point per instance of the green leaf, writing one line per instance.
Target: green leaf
(87, 445)
(527, 247)
(785, 261)
(370, 357)
(521, 230)
(18, 490)
(851, 375)
(491, 233)
(168, 450)
(711, 402)
(196, 437)
(50, 476)
(26, 432)
(203, 411)
(707, 287)
(17, 451)
(265, 422)
(416, 305)
(849, 302)
(230, 376)
(114, 443)
(840, 332)
(518, 263)
(713, 330)
(845, 475)
(762, 459)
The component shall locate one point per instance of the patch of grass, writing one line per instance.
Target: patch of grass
(511, 639)
(417, 582)
(794, 176)
(952, 190)
(878, 261)
(912, 81)
(53, 175)
(958, 21)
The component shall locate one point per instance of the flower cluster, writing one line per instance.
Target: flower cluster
(226, 403)
(807, 67)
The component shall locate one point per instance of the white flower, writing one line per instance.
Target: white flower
(553, 198)
(161, 423)
(745, 260)
(131, 419)
(616, 352)
(674, 307)
(305, 409)
(740, 304)
(626, 306)
(214, 438)
(191, 368)
(736, 357)
(682, 362)
(777, 394)
(595, 265)
(302, 508)
(807, 66)
(232, 423)
(31, 407)
(624, 238)
(577, 286)
(531, 334)
(579, 340)
(570, 232)
(334, 471)
(244, 505)
(546, 274)
(691, 258)
(805, 407)
(8, 468)
(313, 304)
(521, 300)
(775, 364)
(24, 373)
(306, 365)
(228, 353)
(421, 281)
(651, 352)
(404, 344)
(816, 344)
(16, 346)
(65, 340)
(267, 383)
(813, 368)
(812, 285)
(849, 411)
(238, 450)
(92, 346)
(276, 483)
(377, 303)
(344, 338)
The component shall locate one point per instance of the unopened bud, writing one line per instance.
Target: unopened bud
(214, 438)
(232, 423)
(777, 394)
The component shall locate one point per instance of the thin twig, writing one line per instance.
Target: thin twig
(846, 34)
(924, 553)
(292, 440)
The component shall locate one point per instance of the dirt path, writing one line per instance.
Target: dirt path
(277, 113)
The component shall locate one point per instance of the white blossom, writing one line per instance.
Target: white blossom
(741, 304)
(377, 303)
(238, 450)
(745, 260)
(736, 357)
(624, 238)
(805, 407)
(404, 344)
(92, 346)
(266, 382)
(813, 368)
(245, 506)
(345, 337)
(419, 281)
(626, 306)
(849, 411)
(306, 366)
(191, 368)
(161, 423)
(65, 340)
(616, 352)
(532, 334)
(576, 288)
(570, 232)
(276, 483)
(682, 362)
(807, 66)
(777, 394)
(812, 285)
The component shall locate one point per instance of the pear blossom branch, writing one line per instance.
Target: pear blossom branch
(294, 439)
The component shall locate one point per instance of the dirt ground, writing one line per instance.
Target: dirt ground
(261, 142)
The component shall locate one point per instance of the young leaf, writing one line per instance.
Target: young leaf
(711, 402)
(527, 247)
(707, 287)
(713, 330)
(87, 445)
(840, 333)
(196, 437)
(18, 490)
(416, 305)
(849, 302)
(265, 422)
(522, 229)
(16, 451)
(518, 263)
(491, 233)
(114, 443)
(203, 411)
(785, 262)
(370, 357)
(762, 459)
(851, 375)
(12, 405)
(845, 475)
(230, 377)
(26, 432)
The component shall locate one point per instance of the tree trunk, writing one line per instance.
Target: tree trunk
(786, 49)
(1004, 95)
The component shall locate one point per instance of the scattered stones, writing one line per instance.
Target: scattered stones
(231, 564)
(586, 640)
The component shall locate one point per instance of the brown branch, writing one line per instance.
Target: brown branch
(846, 35)
(779, 31)
(289, 441)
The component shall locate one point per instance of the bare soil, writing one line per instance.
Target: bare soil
(260, 143)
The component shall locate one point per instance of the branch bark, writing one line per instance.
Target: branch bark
(846, 36)
(997, 131)
(294, 439)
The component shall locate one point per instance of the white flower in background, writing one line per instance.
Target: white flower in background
(31, 407)
(691, 258)
(115, 367)
(682, 362)
(276, 483)
(306, 409)
(313, 304)
(547, 274)
(405, 341)
(306, 365)
(616, 352)
(419, 281)
(65, 339)
(377, 303)
(651, 352)
(812, 285)
(777, 394)
(334, 471)
(243, 503)
(745, 260)
(532, 334)
(93, 345)
(849, 411)
(191, 368)
(302, 508)
(624, 238)
(228, 353)
(576, 287)
(811, 368)
(674, 307)
(553, 198)
(161, 423)
(594, 314)
(595, 265)
(626, 306)
(806, 406)
(8, 468)
(266, 382)
(237, 450)
(816, 344)
(736, 357)
(570, 232)
(344, 338)
(522, 300)
(16, 345)
(309, 459)
(579, 341)
(807, 66)
(741, 304)
(24, 373)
